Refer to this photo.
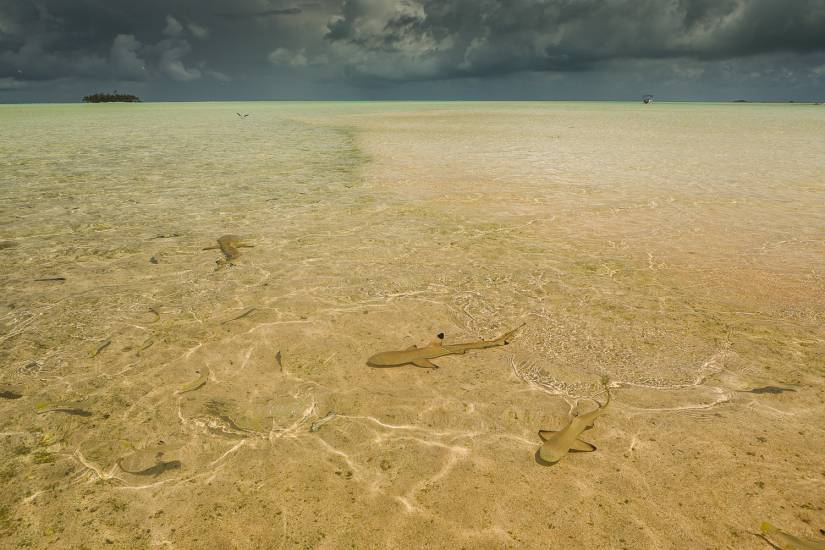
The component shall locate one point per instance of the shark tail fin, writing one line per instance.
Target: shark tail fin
(606, 384)
(507, 336)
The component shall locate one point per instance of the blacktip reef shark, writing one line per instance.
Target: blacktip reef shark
(229, 245)
(786, 541)
(156, 455)
(66, 409)
(773, 390)
(155, 470)
(195, 384)
(9, 393)
(420, 357)
(558, 443)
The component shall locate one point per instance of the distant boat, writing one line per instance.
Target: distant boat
(647, 99)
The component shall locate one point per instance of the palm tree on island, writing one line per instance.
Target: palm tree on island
(104, 97)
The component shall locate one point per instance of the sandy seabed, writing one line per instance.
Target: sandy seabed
(150, 397)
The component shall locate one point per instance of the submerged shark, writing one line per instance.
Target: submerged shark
(558, 443)
(786, 541)
(195, 384)
(420, 357)
(229, 245)
(8, 393)
(149, 461)
(768, 389)
(155, 470)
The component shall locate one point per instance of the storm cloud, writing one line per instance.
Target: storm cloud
(437, 39)
(414, 48)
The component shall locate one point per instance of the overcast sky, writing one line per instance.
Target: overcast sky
(60, 50)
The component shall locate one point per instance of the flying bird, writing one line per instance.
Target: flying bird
(242, 116)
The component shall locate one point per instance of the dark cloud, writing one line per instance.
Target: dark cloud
(355, 47)
(479, 38)
(265, 13)
(125, 58)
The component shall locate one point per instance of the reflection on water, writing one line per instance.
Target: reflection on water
(159, 393)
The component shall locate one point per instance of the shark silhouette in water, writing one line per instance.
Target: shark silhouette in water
(785, 541)
(229, 245)
(155, 470)
(420, 357)
(558, 443)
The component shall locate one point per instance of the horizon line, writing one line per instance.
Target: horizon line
(772, 101)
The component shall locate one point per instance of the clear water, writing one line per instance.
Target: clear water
(678, 249)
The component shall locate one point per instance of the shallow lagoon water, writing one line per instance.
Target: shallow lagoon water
(678, 249)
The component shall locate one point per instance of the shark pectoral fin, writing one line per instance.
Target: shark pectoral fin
(412, 347)
(546, 434)
(425, 364)
(580, 446)
(211, 248)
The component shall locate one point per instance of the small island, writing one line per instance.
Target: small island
(104, 97)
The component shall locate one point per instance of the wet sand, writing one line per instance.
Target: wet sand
(677, 249)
